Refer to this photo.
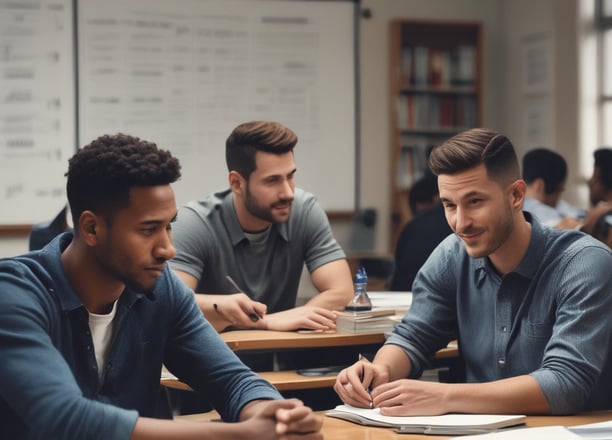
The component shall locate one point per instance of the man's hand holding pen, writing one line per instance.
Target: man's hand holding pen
(234, 312)
(355, 383)
(238, 310)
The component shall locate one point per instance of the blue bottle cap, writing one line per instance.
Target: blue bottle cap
(361, 277)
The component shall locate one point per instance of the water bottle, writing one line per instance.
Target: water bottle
(361, 301)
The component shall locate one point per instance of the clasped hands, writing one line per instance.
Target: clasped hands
(365, 385)
(275, 419)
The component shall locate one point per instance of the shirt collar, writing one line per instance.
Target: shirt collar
(528, 265)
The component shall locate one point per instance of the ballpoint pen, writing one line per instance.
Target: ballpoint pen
(254, 316)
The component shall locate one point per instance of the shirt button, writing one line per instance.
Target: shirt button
(504, 329)
(501, 362)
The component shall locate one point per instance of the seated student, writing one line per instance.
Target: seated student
(86, 323)
(260, 232)
(545, 173)
(598, 223)
(420, 236)
(528, 304)
(600, 182)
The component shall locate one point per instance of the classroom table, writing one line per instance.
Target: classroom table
(266, 340)
(336, 429)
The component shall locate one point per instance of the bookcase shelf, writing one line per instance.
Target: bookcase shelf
(435, 82)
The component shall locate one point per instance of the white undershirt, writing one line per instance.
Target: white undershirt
(101, 327)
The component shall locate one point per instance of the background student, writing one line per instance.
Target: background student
(261, 231)
(86, 323)
(420, 236)
(529, 304)
(600, 194)
(545, 173)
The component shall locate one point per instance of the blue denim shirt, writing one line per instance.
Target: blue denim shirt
(49, 383)
(550, 317)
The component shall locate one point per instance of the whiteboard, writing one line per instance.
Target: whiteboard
(184, 73)
(37, 110)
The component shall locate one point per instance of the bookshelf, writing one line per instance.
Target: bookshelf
(436, 82)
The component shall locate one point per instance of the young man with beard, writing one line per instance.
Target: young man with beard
(86, 322)
(528, 304)
(261, 231)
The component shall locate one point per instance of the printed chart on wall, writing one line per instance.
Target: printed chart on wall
(37, 116)
(184, 73)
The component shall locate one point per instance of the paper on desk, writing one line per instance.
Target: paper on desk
(594, 431)
(540, 433)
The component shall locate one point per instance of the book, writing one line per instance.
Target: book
(446, 424)
(375, 320)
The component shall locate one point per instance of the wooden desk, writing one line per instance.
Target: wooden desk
(243, 340)
(336, 429)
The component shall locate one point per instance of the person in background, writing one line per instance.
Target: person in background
(528, 304)
(421, 235)
(86, 323)
(600, 194)
(600, 183)
(545, 173)
(261, 231)
(423, 194)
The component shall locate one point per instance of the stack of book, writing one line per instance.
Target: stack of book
(371, 321)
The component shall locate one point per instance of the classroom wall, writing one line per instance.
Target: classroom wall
(506, 25)
(555, 24)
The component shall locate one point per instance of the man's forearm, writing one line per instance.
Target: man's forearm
(516, 395)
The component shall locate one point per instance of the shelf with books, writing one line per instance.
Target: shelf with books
(435, 84)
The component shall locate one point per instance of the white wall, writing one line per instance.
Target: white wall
(555, 22)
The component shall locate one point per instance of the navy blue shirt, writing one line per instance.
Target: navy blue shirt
(549, 317)
(49, 382)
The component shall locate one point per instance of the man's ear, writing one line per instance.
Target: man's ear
(88, 227)
(237, 182)
(517, 193)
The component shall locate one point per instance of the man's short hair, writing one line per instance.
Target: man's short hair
(250, 137)
(101, 174)
(472, 148)
(545, 164)
(603, 160)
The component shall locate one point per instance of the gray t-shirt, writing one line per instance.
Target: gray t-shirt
(210, 244)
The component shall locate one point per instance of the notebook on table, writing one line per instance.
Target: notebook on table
(446, 424)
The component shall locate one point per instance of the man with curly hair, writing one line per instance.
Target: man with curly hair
(86, 322)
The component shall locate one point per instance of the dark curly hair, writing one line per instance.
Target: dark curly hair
(101, 174)
(249, 138)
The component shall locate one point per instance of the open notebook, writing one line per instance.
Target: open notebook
(447, 424)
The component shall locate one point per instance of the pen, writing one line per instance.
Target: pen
(363, 358)
(254, 316)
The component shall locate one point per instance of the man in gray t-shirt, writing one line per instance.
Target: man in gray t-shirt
(261, 231)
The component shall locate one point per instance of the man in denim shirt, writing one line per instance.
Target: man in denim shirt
(86, 322)
(529, 305)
